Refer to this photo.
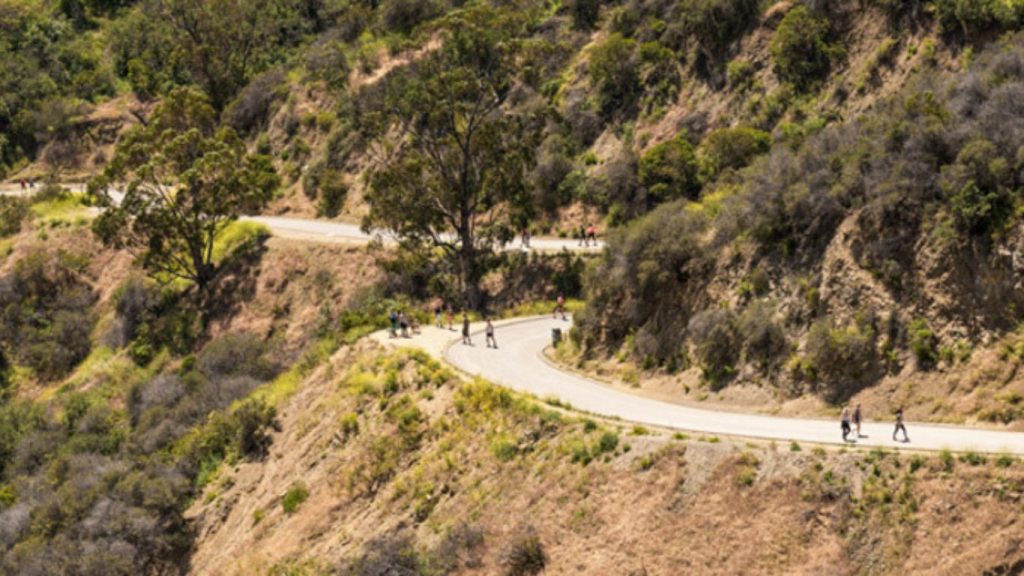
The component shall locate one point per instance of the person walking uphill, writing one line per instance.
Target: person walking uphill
(857, 419)
(844, 420)
(900, 426)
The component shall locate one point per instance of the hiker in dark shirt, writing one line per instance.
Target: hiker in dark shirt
(900, 426)
(844, 421)
(465, 330)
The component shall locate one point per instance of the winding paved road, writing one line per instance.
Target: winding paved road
(343, 232)
(519, 364)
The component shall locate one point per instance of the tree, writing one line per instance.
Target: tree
(184, 181)
(227, 43)
(456, 176)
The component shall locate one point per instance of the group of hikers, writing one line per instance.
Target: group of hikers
(852, 420)
(586, 233)
(28, 184)
(404, 325)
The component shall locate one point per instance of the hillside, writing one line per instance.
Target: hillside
(386, 463)
(797, 205)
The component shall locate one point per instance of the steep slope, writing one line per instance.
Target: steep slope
(402, 467)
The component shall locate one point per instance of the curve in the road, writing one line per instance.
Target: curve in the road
(341, 232)
(519, 364)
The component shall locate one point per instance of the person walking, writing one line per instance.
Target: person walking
(583, 235)
(591, 235)
(857, 419)
(491, 341)
(844, 421)
(403, 323)
(393, 318)
(526, 238)
(451, 318)
(466, 340)
(560, 307)
(438, 310)
(900, 426)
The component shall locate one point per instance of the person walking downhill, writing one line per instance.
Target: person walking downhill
(900, 426)
(844, 421)
(591, 235)
(583, 235)
(857, 419)
(466, 340)
(491, 341)
(526, 238)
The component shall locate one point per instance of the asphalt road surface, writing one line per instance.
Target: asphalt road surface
(519, 364)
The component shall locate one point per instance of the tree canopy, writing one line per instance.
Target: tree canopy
(455, 177)
(184, 180)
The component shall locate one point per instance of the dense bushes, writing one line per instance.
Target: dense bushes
(46, 313)
(44, 64)
(971, 17)
(840, 360)
(584, 13)
(732, 148)
(104, 487)
(614, 74)
(802, 50)
(715, 343)
(934, 170)
(669, 171)
(13, 212)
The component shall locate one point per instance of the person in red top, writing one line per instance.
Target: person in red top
(591, 235)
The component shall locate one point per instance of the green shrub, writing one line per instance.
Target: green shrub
(13, 212)
(584, 13)
(297, 494)
(923, 343)
(669, 170)
(614, 73)
(46, 313)
(715, 344)
(978, 187)
(524, 555)
(235, 354)
(969, 18)
(608, 442)
(731, 149)
(350, 425)
(801, 50)
(973, 458)
(740, 74)
(946, 459)
(841, 360)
